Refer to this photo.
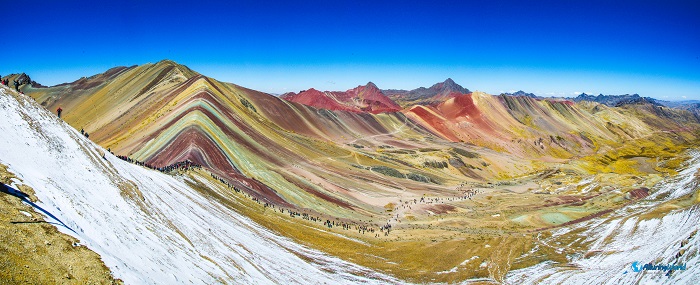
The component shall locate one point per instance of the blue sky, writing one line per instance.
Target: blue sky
(546, 47)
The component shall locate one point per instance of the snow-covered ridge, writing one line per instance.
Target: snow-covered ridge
(626, 236)
(150, 228)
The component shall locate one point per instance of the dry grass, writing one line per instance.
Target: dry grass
(620, 159)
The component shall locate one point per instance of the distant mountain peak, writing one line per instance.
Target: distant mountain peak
(437, 93)
(449, 85)
(371, 85)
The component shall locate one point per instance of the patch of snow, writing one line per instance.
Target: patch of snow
(468, 260)
(454, 269)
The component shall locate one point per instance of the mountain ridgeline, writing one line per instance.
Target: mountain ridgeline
(522, 93)
(616, 100)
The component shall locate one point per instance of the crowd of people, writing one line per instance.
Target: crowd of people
(385, 229)
(177, 166)
(361, 229)
(466, 194)
(134, 161)
(180, 166)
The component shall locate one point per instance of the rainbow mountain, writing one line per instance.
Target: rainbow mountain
(291, 153)
(364, 159)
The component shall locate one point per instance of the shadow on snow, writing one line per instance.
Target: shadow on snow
(25, 198)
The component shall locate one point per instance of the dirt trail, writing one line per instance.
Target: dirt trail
(398, 130)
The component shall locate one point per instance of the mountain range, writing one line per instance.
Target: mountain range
(615, 100)
(522, 93)
(441, 167)
(164, 113)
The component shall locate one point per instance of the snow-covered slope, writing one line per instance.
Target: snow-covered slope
(635, 233)
(150, 227)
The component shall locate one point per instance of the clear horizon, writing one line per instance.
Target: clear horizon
(548, 48)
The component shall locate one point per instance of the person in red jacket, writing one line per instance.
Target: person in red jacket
(59, 110)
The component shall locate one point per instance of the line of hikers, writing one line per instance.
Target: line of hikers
(180, 165)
